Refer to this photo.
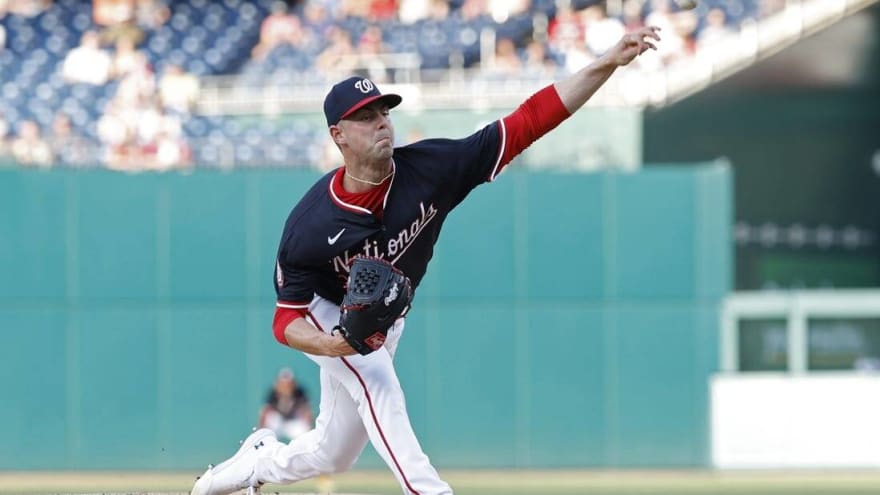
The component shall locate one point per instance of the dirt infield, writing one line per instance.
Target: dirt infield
(482, 482)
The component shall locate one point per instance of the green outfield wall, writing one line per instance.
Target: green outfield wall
(566, 320)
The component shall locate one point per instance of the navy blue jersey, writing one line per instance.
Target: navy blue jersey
(431, 177)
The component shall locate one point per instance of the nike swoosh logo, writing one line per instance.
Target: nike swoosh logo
(332, 240)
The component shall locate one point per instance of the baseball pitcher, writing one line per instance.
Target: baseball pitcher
(352, 254)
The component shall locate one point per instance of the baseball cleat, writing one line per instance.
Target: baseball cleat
(237, 472)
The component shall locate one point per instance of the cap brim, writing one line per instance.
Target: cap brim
(391, 99)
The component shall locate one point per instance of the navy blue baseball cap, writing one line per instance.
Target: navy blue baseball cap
(351, 94)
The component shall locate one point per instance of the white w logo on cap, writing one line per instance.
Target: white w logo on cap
(364, 85)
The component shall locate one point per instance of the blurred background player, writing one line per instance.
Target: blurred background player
(287, 410)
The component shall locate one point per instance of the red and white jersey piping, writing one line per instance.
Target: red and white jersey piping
(360, 209)
(498, 165)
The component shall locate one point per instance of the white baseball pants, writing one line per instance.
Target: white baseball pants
(361, 399)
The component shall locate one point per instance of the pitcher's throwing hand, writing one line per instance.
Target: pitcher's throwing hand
(633, 44)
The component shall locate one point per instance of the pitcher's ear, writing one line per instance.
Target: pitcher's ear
(336, 134)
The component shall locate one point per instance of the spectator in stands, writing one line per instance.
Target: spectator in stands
(354, 8)
(469, 10)
(28, 8)
(162, 146)
(506, 62)
(716, 29)
(316, 25)
(29, 148)
(279, 27)
(577, 57)
(438, 10)
(287, 410)
(125, 59)
(600, 31)
(565, 31)
(676, 27)
(413, 11)
(131, 127)
(149, 125)
(538, 64)
(2, 35)
(178, 90)
(87, 63)
(686, 25)
(171, 151)
(339, 55)
(151, 14)
(110, 12)
(632, 15)
(370, 50)
(68, 147)
(117, 136)
(502, 10)
(137, 88)
(118, 19)
(381, 10)
(370, 10)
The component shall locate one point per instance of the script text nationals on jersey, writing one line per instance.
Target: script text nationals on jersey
(396, 246)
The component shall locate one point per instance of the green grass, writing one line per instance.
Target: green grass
(562, 482)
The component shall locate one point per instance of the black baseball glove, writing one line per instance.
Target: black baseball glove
(376, 294)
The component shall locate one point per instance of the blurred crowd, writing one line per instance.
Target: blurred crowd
(139, 116)
(139, 127)
(533, 38)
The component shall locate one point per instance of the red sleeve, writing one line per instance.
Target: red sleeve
(285, 313)
(538, 115)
